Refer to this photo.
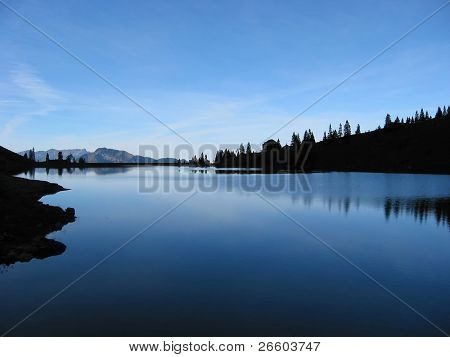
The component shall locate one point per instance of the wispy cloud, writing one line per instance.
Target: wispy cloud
(33, 97)
(34, 87)
(11, 125)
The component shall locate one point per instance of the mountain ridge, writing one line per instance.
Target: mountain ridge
(100, 155)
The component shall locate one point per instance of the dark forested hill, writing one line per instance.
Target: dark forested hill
(420, 143)
(422, 147)
(10, 162)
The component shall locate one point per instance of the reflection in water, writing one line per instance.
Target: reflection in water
(226, 255)
(296, 186)
(420, 208)
(112, 170)
(78, 171)
(38, 247)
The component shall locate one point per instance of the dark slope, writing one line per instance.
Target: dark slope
(11, 162)
(24, 221)
(422, 147)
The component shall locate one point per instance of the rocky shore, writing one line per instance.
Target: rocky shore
(25, 222)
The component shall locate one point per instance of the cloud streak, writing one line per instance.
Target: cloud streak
(34, 97)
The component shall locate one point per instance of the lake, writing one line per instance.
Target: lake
(202, 253)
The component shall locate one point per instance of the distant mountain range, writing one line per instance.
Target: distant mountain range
(101, 155)
(53, 154)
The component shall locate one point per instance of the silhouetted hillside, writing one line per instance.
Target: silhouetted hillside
(418, 143)
(422, 147)
(11, 162)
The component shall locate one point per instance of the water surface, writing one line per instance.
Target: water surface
(242, 255)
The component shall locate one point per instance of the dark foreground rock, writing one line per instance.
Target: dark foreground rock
(24, 221)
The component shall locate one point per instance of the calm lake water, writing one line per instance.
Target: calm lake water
(243, 255)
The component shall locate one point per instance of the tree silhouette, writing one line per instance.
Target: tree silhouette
(47, 158)
(249, 148)
(340, 131)
(60, 156)
(31, 155)
(241, 149)
(358, 130)
(330, 132)
(438, 113)
(311, 136)
(295, 140)
(387, 121)
(422, 115)
(305, 136)
(347, 129)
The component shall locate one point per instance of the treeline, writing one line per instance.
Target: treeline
(70, 159)
(345, 130)
(275, 156)
(272, 156)
(202, 161)
(389, 123)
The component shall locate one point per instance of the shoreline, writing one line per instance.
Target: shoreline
(25, 221)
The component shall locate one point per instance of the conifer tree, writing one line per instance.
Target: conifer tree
(347, 129)
(241, 149)
(358, 130)
(311, 136)
(421, 115)
(295, 141)
(387, 121)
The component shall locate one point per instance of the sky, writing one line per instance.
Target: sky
(215, 72)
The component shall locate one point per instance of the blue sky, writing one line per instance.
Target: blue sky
(217, 72)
